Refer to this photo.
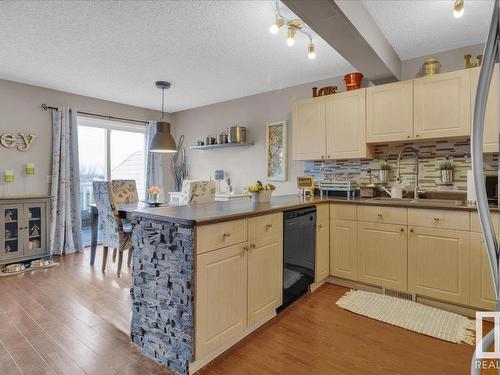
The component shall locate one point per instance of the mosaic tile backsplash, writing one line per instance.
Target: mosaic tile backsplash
(430, 155)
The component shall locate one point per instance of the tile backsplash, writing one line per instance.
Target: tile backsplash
(430, 155)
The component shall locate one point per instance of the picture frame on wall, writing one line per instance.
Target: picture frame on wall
(276, 149)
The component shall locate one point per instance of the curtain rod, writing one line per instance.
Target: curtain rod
(46, 107)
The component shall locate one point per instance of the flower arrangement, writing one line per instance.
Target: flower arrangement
(261, 192)
(385, 166)
(385, 169)
(255, 188)
(447, 165)
(154, 192)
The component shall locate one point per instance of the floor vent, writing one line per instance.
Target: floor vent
(399, 294)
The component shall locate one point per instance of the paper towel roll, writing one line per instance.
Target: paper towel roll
(471, 189)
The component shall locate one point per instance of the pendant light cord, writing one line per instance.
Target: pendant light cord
(163, 103)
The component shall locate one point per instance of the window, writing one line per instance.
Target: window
(108, 151)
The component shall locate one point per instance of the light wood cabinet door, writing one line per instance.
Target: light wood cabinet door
(344, 249)
(383, 254)
(265, 277)
(438, 264)
(346, 125)
(490, 140)
(482, 291)
(322, 250)
(308, 129)
(442, 105)
(389, 112)
(221, 297)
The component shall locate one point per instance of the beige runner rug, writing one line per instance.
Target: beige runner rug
(410, 315)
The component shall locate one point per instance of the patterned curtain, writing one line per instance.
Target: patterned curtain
(154, 173)
(65, 225)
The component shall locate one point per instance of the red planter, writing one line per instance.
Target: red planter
(353, 81)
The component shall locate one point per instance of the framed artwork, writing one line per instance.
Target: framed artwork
(276, 148)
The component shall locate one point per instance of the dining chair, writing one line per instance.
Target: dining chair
(114, 233)
(197, 191)
(124, 192)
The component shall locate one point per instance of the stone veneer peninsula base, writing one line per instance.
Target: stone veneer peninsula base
(162, 292)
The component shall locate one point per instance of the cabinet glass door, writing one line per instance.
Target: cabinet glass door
(11, 238)
(35, 220)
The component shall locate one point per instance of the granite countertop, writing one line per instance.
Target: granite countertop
(210, 213)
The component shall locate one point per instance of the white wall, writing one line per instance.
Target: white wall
(247, 164)
(20, 111)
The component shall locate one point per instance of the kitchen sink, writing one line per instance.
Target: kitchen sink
(421, 201)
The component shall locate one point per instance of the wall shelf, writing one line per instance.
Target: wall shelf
(222, 145)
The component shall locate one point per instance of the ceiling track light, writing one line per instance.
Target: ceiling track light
(458, 8)
(293, 26)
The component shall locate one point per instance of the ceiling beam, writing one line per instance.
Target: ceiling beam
(351, 31)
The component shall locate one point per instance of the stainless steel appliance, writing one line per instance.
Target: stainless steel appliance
(237, 134)
(490, 57)
(299, 249)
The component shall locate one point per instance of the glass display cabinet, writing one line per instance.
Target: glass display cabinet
(23, 229)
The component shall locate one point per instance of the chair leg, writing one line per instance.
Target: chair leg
(114, 255)
(120, 261)
(104, 257)
(129, 260)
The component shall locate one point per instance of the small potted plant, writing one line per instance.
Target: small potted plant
(154, 193)
(384, 171)
(261, 193)
(447, 167)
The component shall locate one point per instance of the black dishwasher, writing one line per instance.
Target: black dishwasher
(299, 244)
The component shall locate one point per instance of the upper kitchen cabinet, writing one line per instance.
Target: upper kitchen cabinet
(490, 139)
(346, 125)
(308, 129)
(442, 105)
(389, 112)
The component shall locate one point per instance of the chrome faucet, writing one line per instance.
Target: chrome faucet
(398, 174)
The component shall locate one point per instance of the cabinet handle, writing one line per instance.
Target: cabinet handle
(436, 219)
(268, 226)
(245, 249)
(408, 136)
(411, 230)
(328, 156)
(252, 246)
(417, 135)
(322, 156)
(379, 215)
(226, 235)
(402, 229)
(320, 226)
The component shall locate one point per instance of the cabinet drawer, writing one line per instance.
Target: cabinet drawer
(215, 236)
(444, 219)
(475, 225)
(343, 211)
(265, 225)
(377, 214)
(322, 213)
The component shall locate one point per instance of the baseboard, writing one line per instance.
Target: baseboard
(198, 364)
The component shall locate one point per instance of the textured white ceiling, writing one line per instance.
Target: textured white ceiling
(211, 51)
(422, 27)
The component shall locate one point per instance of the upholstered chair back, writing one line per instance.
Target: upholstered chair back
(124, 191)
(194, 191)
(112, 228)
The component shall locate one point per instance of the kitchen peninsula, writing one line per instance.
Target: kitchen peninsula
(196, 269)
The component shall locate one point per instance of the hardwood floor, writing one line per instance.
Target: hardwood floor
(73, 319)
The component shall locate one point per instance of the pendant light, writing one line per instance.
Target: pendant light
(163, 141)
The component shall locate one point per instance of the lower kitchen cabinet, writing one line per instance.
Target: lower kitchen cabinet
(438, 264)
(344, 249)
(265, 276)
(221, 297)
(322, 264)
(482, 290)
(383, 254)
